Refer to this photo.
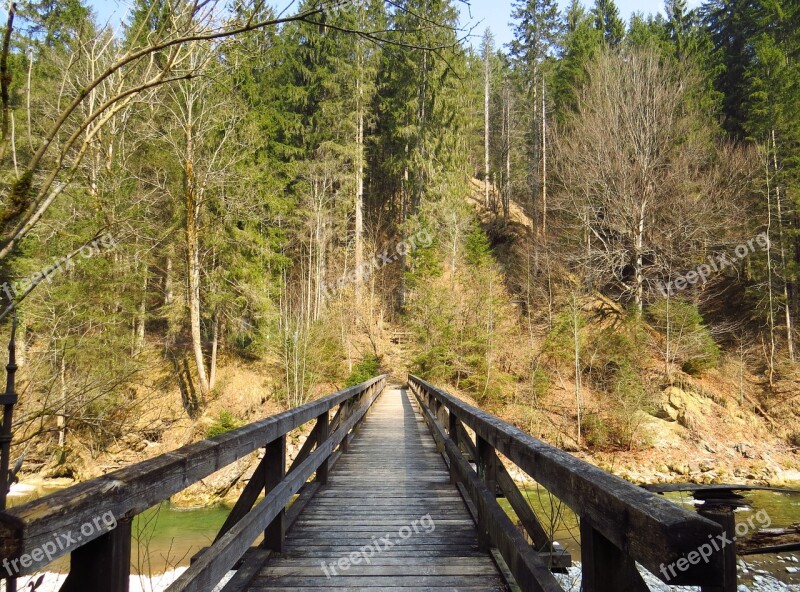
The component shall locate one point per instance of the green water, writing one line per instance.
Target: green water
(782, 509)
(166, 537)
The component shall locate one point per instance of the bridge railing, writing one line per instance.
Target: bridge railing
(620, 524)
(77, 520)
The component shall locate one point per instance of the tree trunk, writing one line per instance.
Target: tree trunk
(168, 293)
(486, 91)
(193, 264)
(61, 418)
(212, 375)
(639, 258)
(782, 251)
(140, 322)
(544, 162)
(770, 299)
(576, 336)
(359, 230)
(507, 186)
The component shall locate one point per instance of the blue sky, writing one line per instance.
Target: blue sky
(494, 14)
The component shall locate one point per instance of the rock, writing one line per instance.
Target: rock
(679, 469)
(214, 488)
(688, 419)
(134, 442)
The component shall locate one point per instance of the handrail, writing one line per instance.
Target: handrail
(617, 518)
(27, 530)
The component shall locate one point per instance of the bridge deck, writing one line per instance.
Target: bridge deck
(389, 500)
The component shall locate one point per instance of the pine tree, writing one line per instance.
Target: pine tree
(732, 27)
(608, 22)
(581, 42)
(536, 37)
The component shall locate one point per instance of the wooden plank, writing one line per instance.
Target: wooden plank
(530, 572)
(320, 434)
(103, 565)
(391, 477)
(275, 470)
(209, 569)
(131, 490)
(651, 529)
(604, 567)
(553, 555)
(248, 497)
(252, 564)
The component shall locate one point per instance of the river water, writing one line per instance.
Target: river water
(783, 510)
(166, 537)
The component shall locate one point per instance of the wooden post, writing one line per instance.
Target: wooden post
(275, 469)
(452, 429)
(487, 471)
(320, 434)
(347, 407)
(102, 565)
(719, 508)
(605, 567)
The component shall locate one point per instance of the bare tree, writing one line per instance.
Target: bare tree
(639, 173)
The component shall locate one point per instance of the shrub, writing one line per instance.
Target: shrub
(596, 432)
(691, 344)
(367, 368)
(225, 422)
(540, 382)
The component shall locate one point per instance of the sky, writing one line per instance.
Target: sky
(479, 15)
(496, 14)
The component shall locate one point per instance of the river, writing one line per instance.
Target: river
(166, 537)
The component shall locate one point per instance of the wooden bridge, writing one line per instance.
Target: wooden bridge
(396, 492)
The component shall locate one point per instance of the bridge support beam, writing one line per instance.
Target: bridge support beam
(605, 568)
(320, 434)
(102, 565)
(721, 511)
(487, 471)
(275, 471)
(452, 428)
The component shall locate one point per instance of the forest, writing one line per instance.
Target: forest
(565, 230)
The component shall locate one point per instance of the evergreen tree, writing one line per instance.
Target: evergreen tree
(581, 42)
(608, 22)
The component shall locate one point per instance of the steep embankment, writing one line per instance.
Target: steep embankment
(723, 425)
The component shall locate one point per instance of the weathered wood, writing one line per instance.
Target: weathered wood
(252, 563)
(131, 490)
(529, 570)
(723, 515)
(275, 471)
(653, 530)
(487, 471)
(391, 478)
(604, 567)
(209, 569)
(248, 497)
(104, 564)
(320, 434)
